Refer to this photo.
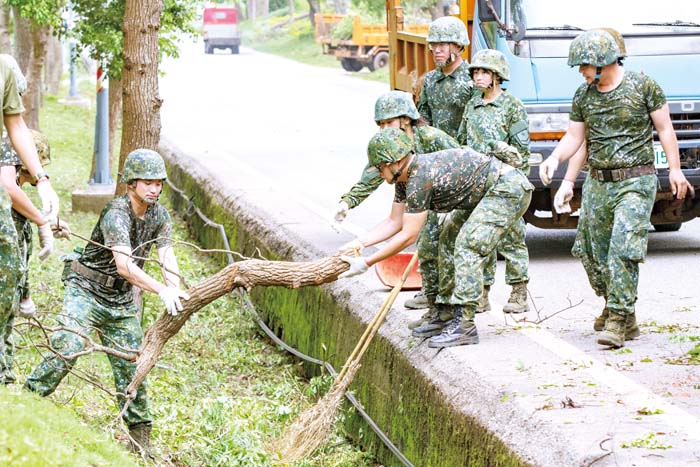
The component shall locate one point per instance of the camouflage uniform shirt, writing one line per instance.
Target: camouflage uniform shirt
(11, 101)
(446, 180)
(618, 126)
(444, 97)
(119, 226)
(425, 139)
(503, 119)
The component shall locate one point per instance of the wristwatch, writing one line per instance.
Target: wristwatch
(41, 174)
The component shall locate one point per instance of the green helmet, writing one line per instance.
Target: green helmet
(448, 29)
(388, 145)
(493, 60)
(593, 47)
(395, 104)
(19, 77)
(143, 164)
(618, 38)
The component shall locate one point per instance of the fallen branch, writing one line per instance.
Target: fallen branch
(247, 274)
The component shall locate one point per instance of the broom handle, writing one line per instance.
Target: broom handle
(377, 320)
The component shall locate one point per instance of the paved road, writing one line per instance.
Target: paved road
(305, 130)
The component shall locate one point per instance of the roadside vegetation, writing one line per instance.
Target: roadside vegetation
(220, 393)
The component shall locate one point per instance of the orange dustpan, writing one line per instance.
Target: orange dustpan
(391, 269)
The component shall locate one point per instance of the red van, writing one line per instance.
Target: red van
(220, 29)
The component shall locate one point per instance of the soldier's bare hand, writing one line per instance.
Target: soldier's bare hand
(679, 184)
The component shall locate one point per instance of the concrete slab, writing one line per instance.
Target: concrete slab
(93, 197)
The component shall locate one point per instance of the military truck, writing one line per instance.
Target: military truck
(535, 35)
(367, 47)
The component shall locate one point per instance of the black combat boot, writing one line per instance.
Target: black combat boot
(140, 442)
(444, 314)
(460, 331)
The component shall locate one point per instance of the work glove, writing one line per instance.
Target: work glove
(506, 153)
(60, 229)
(355, 244)
(26, 309)
(547, 169)
(358, 265)
(341, 211)
(170, 296)
(564, 194)
(49, 199)
(45, 240)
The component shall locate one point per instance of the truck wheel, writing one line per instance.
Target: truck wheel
(379, 61)
(208, 49)
(350, 64)
(234, 49)
(668, 227)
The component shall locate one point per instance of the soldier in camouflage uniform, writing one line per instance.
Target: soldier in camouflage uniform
(98, 286)
(497, 116)
(396, 109)
(614, 113)
(485, 197)
(12, 176)
(13, 83)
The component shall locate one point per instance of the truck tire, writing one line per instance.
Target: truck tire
(350, 64)
(208, 49)
(379, 61)
(668, 227)
(234, 49)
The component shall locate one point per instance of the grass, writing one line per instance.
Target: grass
(220, 391)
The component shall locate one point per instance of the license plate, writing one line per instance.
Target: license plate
(660, 160)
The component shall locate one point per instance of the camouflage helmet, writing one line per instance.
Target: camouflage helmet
(19, 76)
(388, 145)
(143, 164)
(42, 148)
(448, 29)
(492, 60)
(395, 104)
(618, 38)
(593, 47)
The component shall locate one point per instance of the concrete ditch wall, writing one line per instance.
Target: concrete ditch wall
(439, 416)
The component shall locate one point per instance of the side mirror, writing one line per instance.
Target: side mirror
(488, 10)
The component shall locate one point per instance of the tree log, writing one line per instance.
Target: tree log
(247, 274)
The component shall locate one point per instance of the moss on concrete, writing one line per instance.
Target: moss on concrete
(413, 413)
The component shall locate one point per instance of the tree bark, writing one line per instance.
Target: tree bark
(141, 102)
(32, 97)
(313, 9)
(115, 114)
(5, 45)
(23, 40)
(54, 64)
(247, 274)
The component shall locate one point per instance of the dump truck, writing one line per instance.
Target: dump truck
(368, 46)
(535, 35)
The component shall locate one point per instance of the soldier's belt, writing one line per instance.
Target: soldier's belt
(617, 175)
(111, 282)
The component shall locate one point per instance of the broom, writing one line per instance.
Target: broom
(314, 424)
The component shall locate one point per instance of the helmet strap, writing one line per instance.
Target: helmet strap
(598, 71)
(397, 173)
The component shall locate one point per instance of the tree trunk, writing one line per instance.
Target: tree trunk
(115, 114)
(313, 9)
(23, 40)
(32, 97)
(247, 274)
(54, 64)
(252, 10)
(291, 10)
(340, 6)
(5, 45)
(141, 111)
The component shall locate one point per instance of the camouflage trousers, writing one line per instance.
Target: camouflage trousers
(9, 276)
(468, 238)
(118, 329)
(612, 234)
(516, 255)
(427, 246)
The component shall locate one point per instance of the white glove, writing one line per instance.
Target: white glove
(49, 199)
(547, 169)
(170, 297)
(45, 240)
(564, 194)
(358, 265)
(60, 229)
(27, 309)
(341, 211)
(355, 244)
